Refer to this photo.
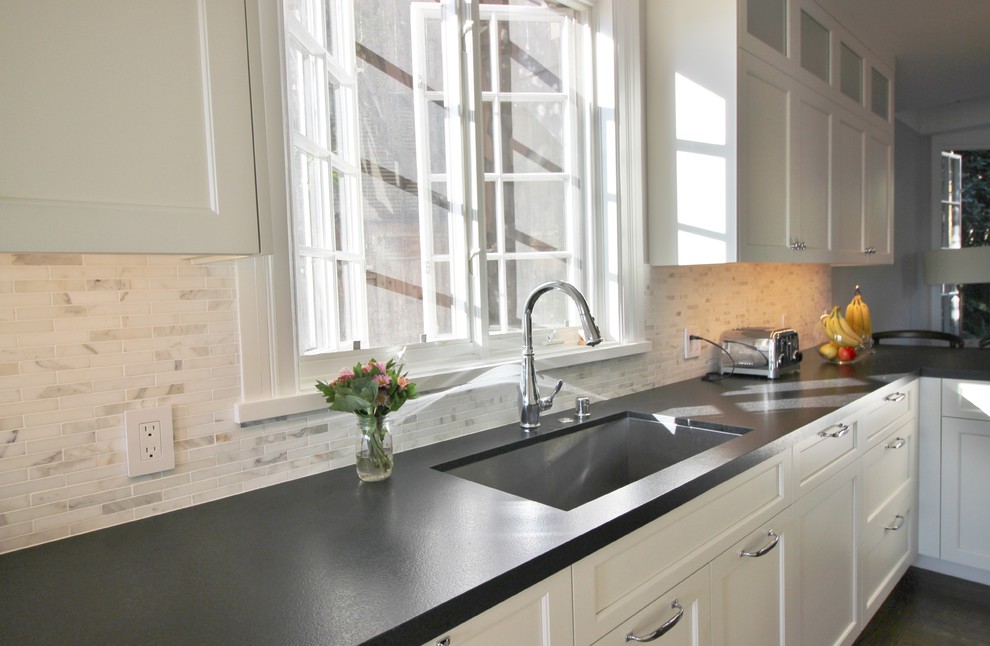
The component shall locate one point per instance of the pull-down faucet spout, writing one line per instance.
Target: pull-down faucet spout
(531, 403)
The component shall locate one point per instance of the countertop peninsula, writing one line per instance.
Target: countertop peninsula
(327, 559)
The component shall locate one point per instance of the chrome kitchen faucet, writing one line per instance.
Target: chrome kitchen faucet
(531, 403)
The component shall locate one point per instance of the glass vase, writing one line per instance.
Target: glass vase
(374, 448)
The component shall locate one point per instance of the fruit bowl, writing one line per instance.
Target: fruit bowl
(846, 344)
(849, 337)
(862, 352)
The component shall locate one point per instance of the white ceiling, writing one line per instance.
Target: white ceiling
(941, 47)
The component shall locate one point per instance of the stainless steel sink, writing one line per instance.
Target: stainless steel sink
(572, 466)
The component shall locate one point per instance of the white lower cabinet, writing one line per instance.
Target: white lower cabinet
(800, 549)
(888, 542)
(618, 581)
(538, 616)
(954, 526)
(749, 587)
(824, 606)
(965, 491)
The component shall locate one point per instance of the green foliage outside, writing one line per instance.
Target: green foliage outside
(976, 233)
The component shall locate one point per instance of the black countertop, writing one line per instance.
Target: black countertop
(327, 559)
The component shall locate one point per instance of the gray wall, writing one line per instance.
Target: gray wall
(895, 293)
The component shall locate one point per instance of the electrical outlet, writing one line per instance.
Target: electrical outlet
(692, 347)
(150, 440)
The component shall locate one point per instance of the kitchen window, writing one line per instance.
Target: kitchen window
(964, 197)
(443, 159)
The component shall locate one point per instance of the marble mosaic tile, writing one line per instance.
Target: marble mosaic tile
(83, 338)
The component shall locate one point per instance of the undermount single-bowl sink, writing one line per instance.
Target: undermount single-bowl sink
(572, 466)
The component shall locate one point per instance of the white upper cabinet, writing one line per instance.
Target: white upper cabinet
(769, 136)
(126, 127)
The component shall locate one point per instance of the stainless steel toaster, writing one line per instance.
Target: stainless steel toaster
(764, 351)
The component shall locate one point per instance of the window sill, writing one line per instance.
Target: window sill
(438, 377)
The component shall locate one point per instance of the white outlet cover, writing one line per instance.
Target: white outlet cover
(692, 348)
(166, 459)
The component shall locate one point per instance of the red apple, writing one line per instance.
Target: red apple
(847, 354)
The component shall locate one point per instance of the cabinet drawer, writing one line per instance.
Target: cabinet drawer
(888, 546)
(888, 410)
(622, 578)
(887, 467)
(825, 453)
(966, 399)
(681, 616)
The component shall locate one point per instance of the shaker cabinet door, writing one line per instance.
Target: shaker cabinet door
(965, 489)
(126, 127)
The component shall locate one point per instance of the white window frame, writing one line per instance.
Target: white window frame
(275, 379)
(977, 138)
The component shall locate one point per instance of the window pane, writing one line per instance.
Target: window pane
(485, 36)
(530, 57)
(815, 49)
(349, 276)
(880, 94)
(438, 136)
(444, 299)
(535, 216)
(311, 197)
(520, 277)
(441, 219)
(767, 20)
(333, 117)
(534, 137)
(488, 127)
(851, 70)
(434, 57)
(392, 252)
(309, 114)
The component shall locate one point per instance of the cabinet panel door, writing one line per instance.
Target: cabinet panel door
(748, 587)
(127, 127)
(812, 168)
(847, 185)
(825, 603)
(764, 159)
(965, 491)
(878, 197)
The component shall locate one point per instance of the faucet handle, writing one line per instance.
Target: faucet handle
(547, 402)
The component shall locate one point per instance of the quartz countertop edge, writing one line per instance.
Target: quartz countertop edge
(328, 559)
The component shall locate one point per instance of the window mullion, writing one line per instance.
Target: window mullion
(466, 77)
(423, 175)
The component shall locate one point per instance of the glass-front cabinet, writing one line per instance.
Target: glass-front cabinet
(802, 107)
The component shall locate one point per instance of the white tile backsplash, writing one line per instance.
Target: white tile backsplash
(84, 338)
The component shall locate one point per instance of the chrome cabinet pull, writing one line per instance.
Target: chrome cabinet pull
(898, 523)
(766, 548)
(443, 642)
(897, 443)
(895, 397)
(662, 630)
(843, 429)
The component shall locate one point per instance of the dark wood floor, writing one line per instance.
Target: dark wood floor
(927, 608)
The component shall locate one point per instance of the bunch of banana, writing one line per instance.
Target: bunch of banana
(838, 329)
(858, 316)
